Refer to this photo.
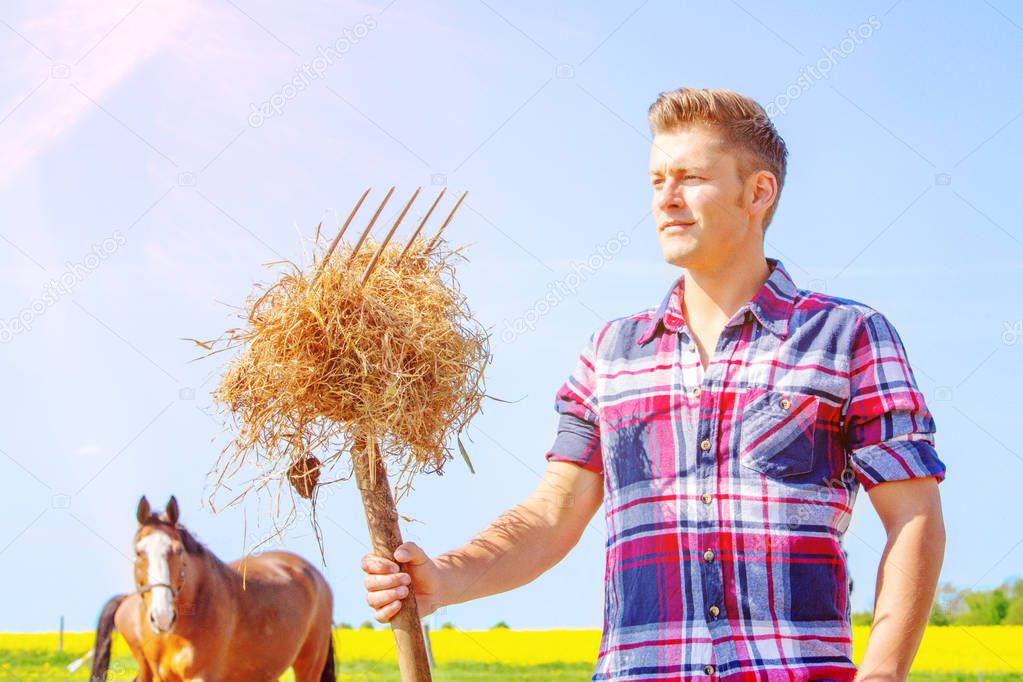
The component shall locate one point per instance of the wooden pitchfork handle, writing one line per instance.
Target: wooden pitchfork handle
(382, 521)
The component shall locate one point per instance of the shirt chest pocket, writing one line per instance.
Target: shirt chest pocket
(776, 432)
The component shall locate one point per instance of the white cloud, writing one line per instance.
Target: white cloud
(68, 33)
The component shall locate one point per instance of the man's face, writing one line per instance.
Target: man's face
(699, 203)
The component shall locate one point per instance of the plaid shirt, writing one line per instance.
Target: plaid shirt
(727, 491)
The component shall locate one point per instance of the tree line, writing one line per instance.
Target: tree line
(1002, 605)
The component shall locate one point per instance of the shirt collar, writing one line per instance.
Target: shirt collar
(772, 305)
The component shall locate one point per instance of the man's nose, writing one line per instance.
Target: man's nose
(669, 197)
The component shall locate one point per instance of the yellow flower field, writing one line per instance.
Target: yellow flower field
(991, 649)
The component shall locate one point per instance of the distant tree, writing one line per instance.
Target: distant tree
(864, 618)
(984, 608)
(949, 604)
(501, 625)
(344, 626)
(938, 616)
(1002, 605)
(367, 625)
(1014, 615)
(448, 626)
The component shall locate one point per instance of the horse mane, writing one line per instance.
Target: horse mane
(191, 545)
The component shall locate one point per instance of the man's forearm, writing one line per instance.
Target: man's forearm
(906, 580)
(512, 551)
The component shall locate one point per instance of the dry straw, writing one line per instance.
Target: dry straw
(372, 348)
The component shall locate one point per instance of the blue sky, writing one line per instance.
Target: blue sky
(142, 170)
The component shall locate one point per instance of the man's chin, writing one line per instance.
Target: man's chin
(681, 258)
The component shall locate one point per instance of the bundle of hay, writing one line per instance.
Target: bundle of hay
(332, 359)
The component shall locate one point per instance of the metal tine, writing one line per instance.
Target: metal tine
(446, 221)
(420, 227)
(387, 237)
(337, 239)
(365, 233)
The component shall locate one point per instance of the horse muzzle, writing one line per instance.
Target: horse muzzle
(162, 622)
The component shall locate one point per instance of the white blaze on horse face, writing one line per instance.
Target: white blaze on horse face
(156, 547)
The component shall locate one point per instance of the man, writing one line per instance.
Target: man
(727, 432)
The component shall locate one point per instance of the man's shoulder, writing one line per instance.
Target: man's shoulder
(616, 336)
(811, 306)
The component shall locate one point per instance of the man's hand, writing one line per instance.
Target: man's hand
(387, 585)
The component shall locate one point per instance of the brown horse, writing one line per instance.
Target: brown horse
(193, 618)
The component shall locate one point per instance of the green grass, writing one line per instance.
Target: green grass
(38, 666)
(476, 672)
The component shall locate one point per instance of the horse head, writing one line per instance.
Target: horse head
(162, 549)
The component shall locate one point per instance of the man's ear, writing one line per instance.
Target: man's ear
(171, 512)
(144, 511)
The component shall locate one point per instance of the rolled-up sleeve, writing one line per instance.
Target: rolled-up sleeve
(578, 434)
(889, 432)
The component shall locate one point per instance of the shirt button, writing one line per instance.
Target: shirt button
(706, 497)
(696, 391)
(714, 611)
(708, 556)
(692, 347)
(705, 445)
(785, 404)
(709, 669)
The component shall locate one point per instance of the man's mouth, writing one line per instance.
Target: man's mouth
(676, 226)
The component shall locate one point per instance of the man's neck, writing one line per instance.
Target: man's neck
(712, 296)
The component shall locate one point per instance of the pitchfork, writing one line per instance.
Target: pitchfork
(370, 472)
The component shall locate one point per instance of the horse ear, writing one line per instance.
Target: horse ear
(144, 511)
(172, 512)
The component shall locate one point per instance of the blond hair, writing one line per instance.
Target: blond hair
(746, 129)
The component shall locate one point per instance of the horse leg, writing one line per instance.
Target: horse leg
(315, 660)
(126, 621)
(145, 673)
